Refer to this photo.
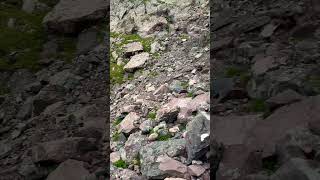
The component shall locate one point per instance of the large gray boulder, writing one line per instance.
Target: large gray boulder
(69, 16)
(198, 136)
(150, 153)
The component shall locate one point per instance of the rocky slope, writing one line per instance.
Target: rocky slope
(265, 70)
(53, 89)
(160, 90)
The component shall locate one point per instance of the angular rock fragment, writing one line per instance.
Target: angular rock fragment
(69, 170)
(136, 62)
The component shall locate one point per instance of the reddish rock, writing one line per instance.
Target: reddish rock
(196, 170)
(127, 124)
(182, 108)
(172, 167)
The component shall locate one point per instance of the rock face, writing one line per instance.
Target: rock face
(164, 50)
(265, 90)
(68, 16)
(53, 92)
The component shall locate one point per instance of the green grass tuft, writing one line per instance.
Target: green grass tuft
(152, 115)
(120, 164)
(128, 38)
(164, 137)
(117, 121)
(115, 136)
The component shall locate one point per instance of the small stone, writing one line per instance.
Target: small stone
(146, 126)
(198, 55)
(174, 129)
(155, 47)
(197, 162)
(163, 89)
(268, 30)
(114, 55)
(153, 137)
(150, 88)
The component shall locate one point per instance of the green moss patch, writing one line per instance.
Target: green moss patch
(128, 38)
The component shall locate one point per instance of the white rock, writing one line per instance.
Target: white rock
(136, 61)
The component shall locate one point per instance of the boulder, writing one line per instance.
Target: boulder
(197, 137)
(69, 170)
(132, 48)
(70, 16)
(127, 125)
(172, 167)
(136, 62)
(133, 145)
(150, 153)
(47, 96)
(61, 150)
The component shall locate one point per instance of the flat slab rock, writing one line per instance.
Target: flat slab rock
(136, 62)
